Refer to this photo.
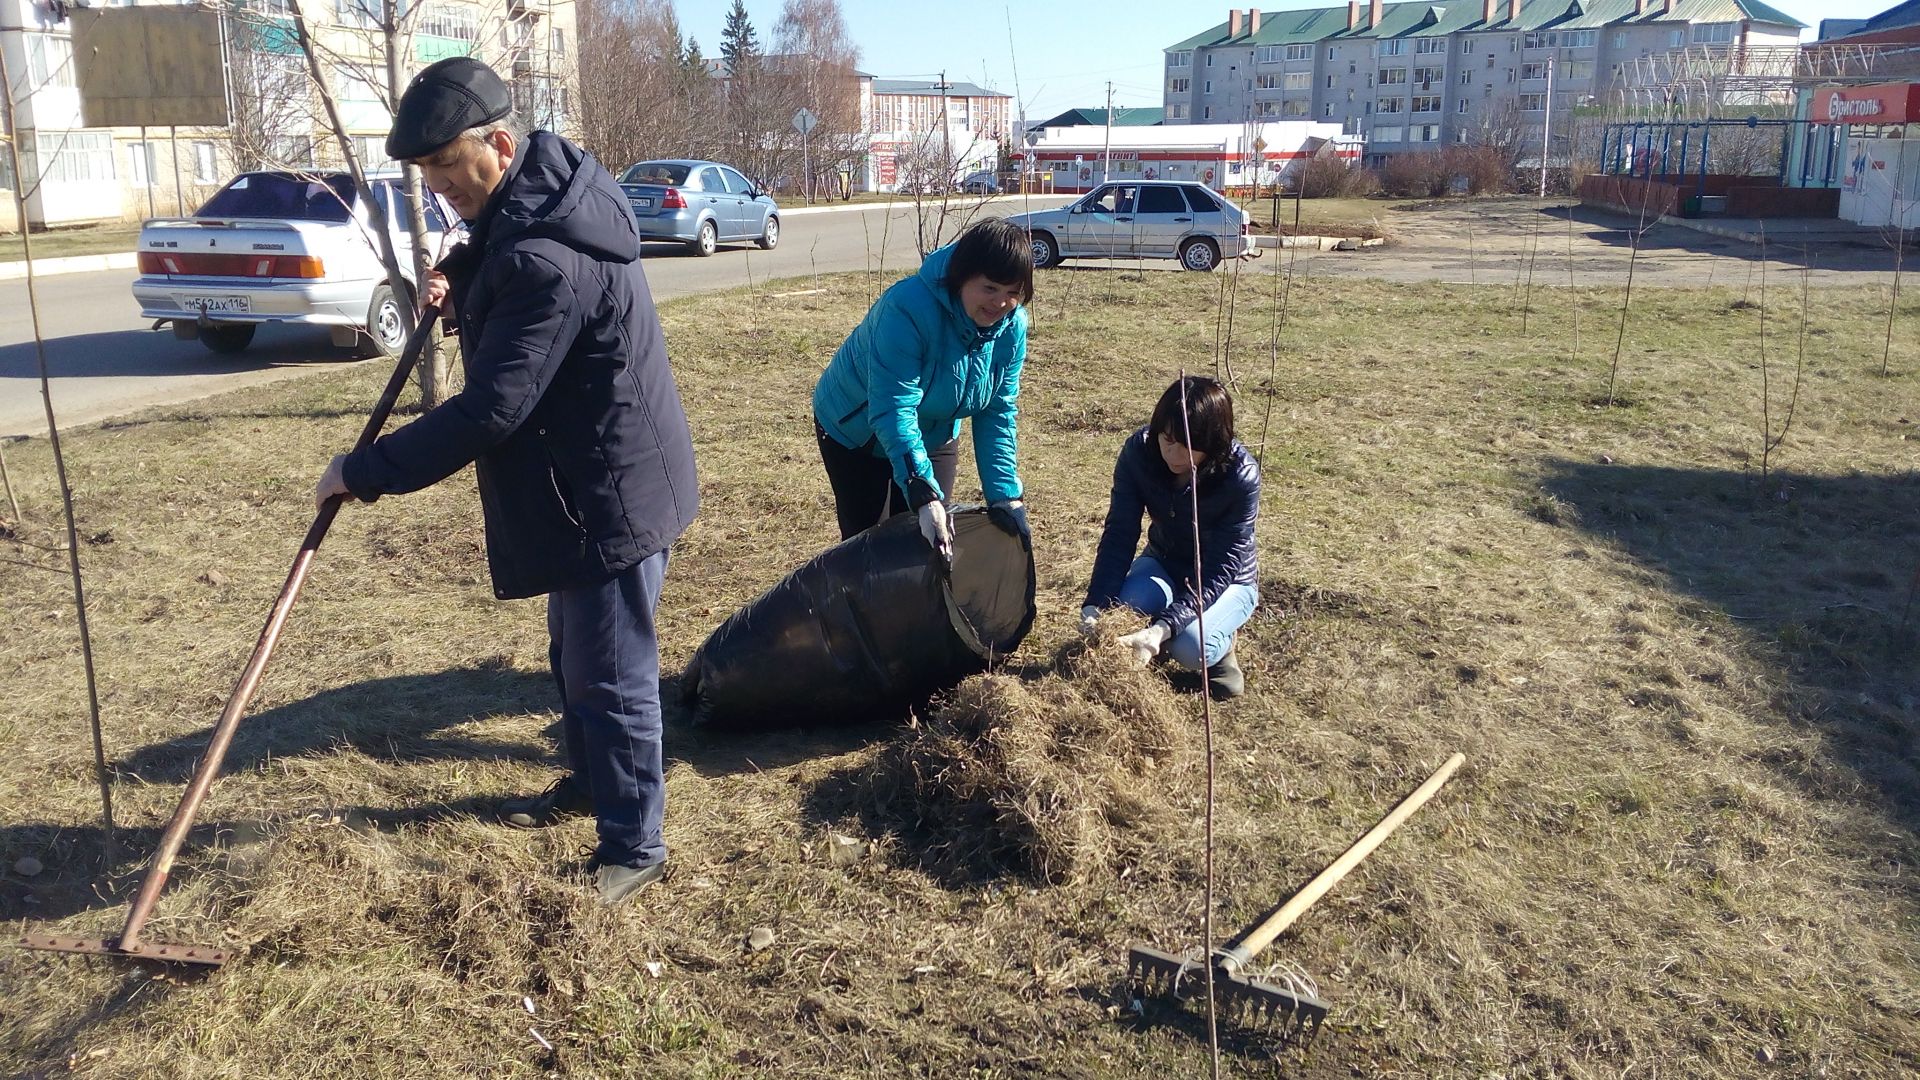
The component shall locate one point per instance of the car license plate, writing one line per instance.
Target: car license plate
(218, 305)
(643, 203)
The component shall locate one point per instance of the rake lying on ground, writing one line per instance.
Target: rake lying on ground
(130, 945)
(1296, 1006)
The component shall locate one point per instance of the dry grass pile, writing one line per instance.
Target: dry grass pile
(1059, 777)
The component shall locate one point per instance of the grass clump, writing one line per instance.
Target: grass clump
(1043, 776)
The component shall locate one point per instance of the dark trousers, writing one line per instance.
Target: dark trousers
(606, 658)
(864, 493)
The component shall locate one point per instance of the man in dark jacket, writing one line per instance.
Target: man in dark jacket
(573, 423)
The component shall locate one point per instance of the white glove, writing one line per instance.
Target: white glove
(1089, 616)
(1145, 644)
(937, 527)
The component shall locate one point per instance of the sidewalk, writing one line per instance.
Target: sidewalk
(1790, 232)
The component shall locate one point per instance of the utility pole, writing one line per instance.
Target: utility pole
(1106, 152)
(1546, 129)
(946, 138)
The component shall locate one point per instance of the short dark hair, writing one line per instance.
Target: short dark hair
(997, 250)
(1209, 414)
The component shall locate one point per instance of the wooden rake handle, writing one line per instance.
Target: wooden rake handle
(176, 833)
(1253, 941)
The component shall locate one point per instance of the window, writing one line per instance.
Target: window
(1203, 202)
(1713, 33)
(1426, 104)
(1389, 134)
(1430, 77)
(355, 85)
(356, 12)
(206, 164)
(1182, 58)
(1533, 102)
(49, 61)
(1265, 109)
(1268, 54)
(1393, 77)
(1207, 87)
(1577, 69)
(1430, 45)
(1330, 81)
(1176, 112)
(1155, 199)
(454, 21)
(736, 184)
(1533, 71)
(1267, 82)
(1466, 78)
(1424, 133)
(1206, 112)
(1299, 52)
(68, 156)
(1542, 41)
(1619, 39)
(140, 164)
(1327, 110)
(1179, 86)
(1296, 107)
(1579, 39)
(1393, 47)
(1300, 80)
(1209, 59)
(1460, 137)
(371, 150)
(1676, 39)
(1461, 107)
(1332, 53)
(1391, 104)
(558, 42)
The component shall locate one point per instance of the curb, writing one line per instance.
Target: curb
(1318, 243)
(953, 201)
(74, 264)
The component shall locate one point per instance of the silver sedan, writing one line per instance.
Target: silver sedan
(701, 204)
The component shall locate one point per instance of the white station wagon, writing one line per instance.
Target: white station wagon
(282, 247)
(1165, 219)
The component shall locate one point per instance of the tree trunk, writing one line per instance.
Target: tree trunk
(434, 367)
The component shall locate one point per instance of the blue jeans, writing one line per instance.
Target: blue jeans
(1149, 589)
(605, 656)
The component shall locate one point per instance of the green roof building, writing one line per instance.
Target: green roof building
(1420, 76)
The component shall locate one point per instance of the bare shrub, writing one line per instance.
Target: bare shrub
(1417, 174)
(1332, 177)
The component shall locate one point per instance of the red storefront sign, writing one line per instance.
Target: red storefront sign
(1892, 103)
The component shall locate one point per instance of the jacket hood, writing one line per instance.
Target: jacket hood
(933, 274)
(557, 191)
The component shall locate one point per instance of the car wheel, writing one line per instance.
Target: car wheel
(227, 338)
(386, 325)
(1045, 252)
(706, 241)
(770, 238)
(1199, 255)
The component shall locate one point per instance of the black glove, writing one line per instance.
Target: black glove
(1011, 518)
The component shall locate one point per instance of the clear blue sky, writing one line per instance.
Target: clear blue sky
(1065, 51)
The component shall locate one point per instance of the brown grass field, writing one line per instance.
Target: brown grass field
(1683, 844)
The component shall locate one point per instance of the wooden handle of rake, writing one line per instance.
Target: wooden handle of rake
(1253, 941)
(216, 752)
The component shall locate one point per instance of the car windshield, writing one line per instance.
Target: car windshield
(278, 195)
(656, 172)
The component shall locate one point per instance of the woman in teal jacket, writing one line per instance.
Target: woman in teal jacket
(946, 344)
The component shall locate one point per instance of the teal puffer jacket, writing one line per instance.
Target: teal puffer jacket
(914, 368)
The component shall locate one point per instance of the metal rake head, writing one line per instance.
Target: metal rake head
(1296, 1012)
(202, 956)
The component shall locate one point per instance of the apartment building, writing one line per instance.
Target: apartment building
(917, 105)
(1419, 76)
(78, 174)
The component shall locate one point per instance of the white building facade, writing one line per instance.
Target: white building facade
(1421, 76)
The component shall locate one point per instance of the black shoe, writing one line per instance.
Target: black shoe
(616, 882)
(1224, 679)
(567, 798)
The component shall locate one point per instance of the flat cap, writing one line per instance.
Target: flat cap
(442, 101)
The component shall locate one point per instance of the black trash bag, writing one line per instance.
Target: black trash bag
(867, 629)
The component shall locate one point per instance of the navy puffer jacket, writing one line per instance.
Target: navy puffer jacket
(569, 412)
(1229, 505)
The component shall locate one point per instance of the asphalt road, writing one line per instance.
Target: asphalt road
(105, 361)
